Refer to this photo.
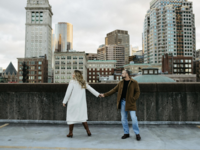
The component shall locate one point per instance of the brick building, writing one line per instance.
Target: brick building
(38, 69)
(98, 68)
(177, 65)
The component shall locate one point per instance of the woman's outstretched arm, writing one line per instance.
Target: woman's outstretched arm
(93, 91)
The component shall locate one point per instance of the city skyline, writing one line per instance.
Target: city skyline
(91, 21)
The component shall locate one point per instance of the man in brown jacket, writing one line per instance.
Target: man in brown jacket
(128, 93)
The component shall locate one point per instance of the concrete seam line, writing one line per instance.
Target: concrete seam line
(100, 122)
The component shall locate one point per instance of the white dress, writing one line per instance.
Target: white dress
(77, 105)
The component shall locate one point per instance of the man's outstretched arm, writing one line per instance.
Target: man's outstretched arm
(114, 90)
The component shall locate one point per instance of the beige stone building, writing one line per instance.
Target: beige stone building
(137, 68)
(66, 63)
(38, 70)
(112, 52)
(119, 38)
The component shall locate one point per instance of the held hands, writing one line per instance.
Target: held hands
(64, 105)
(101, 95)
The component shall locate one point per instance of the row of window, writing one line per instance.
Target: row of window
(68, 67)
(31, 67)
(31, 77)
(98, 69)
(183, 65)
(68, 62)
(31, 62)
(68, 57)
(102, 73)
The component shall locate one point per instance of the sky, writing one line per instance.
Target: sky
(91, 20)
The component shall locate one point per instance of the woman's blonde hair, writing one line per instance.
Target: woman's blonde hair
(79, 78)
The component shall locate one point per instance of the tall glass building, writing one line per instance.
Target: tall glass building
(63, 37)
(169, 27)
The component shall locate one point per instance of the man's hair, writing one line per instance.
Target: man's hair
(128, 72)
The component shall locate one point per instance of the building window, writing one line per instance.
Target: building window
(39, 77)
(62, 67)
(74, 67)
(62, 57)
(74, 57)
(80, 67)
(32, 62)
(81, 57)
(68, 57)
(39, 62)
(57, 57)
(57, 62)
(39, 72)
(32, 67)
(39, 67)
(56, 67)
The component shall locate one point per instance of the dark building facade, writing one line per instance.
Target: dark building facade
(38, 69)
(136, 59)
(91, 56)
(177, 65)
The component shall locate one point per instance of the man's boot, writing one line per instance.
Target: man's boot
(125, 136)
(70, 135)
(87, 128)
(138, 138)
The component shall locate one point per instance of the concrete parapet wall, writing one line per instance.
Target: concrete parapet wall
(157, 102)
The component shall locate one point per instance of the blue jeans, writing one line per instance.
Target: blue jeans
(124, 119)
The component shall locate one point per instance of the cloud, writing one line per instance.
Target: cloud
(91, 19)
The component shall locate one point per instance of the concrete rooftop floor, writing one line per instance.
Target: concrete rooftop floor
(43, 136)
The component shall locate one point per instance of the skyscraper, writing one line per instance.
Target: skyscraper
(39, 30)
(120, 38)
(169, 27)
(63, 37)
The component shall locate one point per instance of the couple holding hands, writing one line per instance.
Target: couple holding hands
(128, 93)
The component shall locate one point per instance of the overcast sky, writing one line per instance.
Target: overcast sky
(91, 19)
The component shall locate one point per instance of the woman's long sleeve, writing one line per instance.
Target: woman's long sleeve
(93, 91)
(68, 92)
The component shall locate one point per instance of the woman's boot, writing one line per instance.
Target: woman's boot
(87, 128)
(71, 126)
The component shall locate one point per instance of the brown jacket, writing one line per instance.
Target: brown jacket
(133, 93)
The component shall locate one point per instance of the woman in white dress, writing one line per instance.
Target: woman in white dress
(76, 98)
